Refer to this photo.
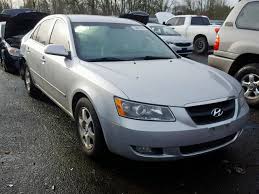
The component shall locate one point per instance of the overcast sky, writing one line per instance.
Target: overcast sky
(18, 3)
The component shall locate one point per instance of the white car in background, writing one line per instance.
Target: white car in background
(176, 41)
(197, 29)
(162, 17)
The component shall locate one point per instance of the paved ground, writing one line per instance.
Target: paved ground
(39, 153)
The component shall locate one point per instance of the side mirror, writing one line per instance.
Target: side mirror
(58, 50)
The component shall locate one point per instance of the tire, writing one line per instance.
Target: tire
(201, 45)
(248, 76)
(89, 130)
(29, 85)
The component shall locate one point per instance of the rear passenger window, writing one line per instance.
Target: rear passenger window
(200, 21)
(249, 17)
(43, 34)
(59, 34)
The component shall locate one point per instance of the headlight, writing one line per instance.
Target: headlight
(13, 51)
(241, 99)
(140, 111)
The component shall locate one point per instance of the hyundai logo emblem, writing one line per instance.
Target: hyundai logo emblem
(217, 112)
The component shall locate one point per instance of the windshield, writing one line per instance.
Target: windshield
(164, 31)
(118, 42)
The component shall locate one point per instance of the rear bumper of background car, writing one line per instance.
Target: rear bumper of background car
(170, 140)
(221, 63)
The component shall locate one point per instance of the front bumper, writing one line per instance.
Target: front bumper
(173, 138)
(182, 50)
(221, 63)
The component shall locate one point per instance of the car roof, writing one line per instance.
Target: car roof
(104, 19)
(190, 16)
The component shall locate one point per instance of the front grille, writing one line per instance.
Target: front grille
(206, 146)
(202, 115)
(183, 44)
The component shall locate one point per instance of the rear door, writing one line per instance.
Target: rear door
(240, 35)
(56, 69)
(35, 51)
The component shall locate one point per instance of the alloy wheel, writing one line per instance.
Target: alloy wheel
(27, 80)
(86, 128)
(250, 83)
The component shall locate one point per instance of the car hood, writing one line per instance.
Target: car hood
(176, 82)
(20, 24)
(175, 39)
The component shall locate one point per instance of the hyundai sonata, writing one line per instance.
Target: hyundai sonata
(128, 91)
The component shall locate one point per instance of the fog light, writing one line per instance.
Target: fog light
(143, 150)
(148, 150)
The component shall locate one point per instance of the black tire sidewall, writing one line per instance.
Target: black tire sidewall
(99, 147)
(248, 69)
(205, 48)
(33, 90)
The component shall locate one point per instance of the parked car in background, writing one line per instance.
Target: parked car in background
(236, 49)
(153, 19)
(197, 29)
(137, 97)
(162, 17)
(217, 22)
(176, 41)
(139, 16)
(13, 29)
(14, 12)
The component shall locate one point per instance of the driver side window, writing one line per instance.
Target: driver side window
(59, 34)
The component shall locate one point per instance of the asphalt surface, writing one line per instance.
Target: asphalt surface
(39, 153)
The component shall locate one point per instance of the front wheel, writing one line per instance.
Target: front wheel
(248, 76)
(89, 129)
(29, 85)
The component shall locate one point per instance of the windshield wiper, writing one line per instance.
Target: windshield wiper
(105, 59)
(150, 58)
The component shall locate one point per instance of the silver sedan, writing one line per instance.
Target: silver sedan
(128, 91)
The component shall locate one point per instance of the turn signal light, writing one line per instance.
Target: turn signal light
(217, 43)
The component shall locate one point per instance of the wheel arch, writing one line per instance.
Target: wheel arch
(243, 60)
(76, 97)
(82, 94)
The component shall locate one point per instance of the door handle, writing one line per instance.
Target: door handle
(28, 50)
(43, 60)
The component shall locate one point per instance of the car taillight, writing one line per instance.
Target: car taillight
(217, 43)
(217, 30)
